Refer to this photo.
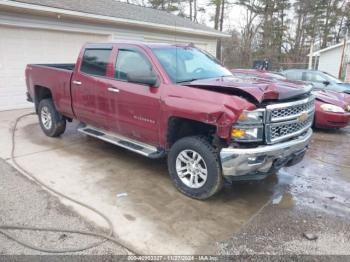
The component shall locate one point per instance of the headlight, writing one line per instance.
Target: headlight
(252, 117)
(249, 127)
(332, 108)
(247, 133)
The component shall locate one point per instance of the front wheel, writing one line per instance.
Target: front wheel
(51, 122)
(194, 167)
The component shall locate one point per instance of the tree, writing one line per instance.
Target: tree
(344, 12)
(267, 23)
(193, 10)
(267, 30)
(330, 14)
(166, 5)
(231, 50)
(216, 18)
(280, 27)
(249, 30)
(219, 17)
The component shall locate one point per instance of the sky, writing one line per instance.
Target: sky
(233, 17)
(234, 14)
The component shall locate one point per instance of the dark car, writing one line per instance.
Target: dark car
(318, 78)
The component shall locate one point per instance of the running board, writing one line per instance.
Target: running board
(132, 145)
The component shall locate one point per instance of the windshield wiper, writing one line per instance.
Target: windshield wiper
(194, 79)
(188, 80)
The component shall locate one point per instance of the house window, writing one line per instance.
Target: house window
(95, 61)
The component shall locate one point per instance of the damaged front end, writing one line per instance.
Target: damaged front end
(284, 132)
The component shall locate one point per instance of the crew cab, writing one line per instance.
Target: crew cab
(176, 101)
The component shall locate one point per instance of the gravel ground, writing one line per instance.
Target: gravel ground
(286, 235)
(24, 203)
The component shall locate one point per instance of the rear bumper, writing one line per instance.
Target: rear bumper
(237, 162)
(29, 97)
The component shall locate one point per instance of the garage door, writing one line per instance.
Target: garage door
(19, 46)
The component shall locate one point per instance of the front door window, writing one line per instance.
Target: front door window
(130, 61)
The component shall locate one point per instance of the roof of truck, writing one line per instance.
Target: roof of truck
(138, 43)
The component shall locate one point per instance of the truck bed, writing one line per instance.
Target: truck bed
(56, 78)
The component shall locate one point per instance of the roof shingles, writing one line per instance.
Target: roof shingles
(117, 9)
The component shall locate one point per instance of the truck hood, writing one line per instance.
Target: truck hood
(258, 89)
(334, 98)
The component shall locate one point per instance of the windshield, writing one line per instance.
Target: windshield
(331, 78)
(186, 64)
(276, 76)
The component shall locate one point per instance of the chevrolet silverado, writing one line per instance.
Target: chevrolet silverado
(179, 102)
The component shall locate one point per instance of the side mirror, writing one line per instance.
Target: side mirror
(149, 79)
(326, 83)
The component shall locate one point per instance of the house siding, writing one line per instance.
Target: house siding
(347, 73)
(329, 61)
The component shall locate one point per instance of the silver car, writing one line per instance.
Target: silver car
(320, 80)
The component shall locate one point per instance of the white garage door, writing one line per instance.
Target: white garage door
(20, 46)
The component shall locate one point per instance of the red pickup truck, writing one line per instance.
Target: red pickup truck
(177, 101)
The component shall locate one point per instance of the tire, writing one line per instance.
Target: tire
(55, 124)
(180, 163)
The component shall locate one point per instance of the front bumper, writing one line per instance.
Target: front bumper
(331, 120)
(237, 162)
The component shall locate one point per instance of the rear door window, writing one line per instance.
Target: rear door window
(95, 61)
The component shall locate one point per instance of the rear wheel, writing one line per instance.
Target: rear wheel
(52, 122)
(194, 167)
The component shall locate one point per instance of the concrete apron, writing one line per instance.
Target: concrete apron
(149, 215)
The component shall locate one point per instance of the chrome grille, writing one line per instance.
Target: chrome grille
(284, 130)
(291, 111)
(288, 120)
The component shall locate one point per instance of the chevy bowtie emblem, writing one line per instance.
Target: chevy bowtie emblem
(303, 117)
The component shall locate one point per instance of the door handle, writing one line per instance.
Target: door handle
(113, 89)
(78, 83)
